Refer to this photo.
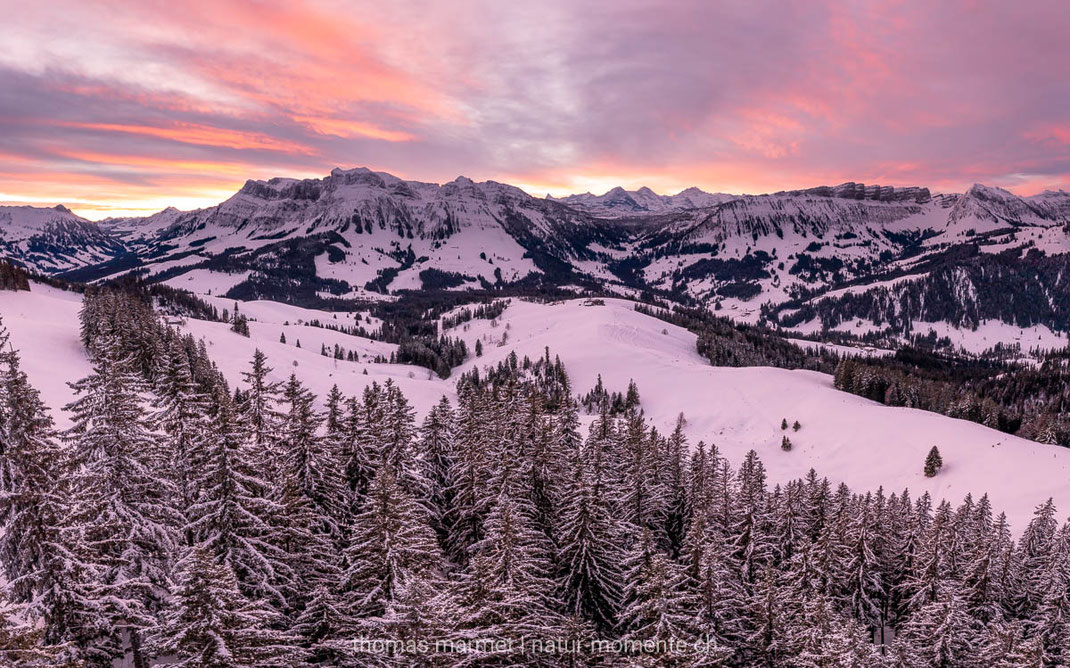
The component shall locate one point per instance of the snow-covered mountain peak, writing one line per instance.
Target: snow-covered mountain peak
(53, 239)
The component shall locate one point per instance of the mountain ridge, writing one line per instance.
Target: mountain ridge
(361, 234)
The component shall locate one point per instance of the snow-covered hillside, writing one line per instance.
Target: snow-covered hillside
(847, 438)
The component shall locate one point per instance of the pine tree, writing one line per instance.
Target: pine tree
(864, 589)
(182, 415)
(321, 626)
(392, 541)
(259, 412)
(44, 578)
(210, 622)
(588, 553)
(933, 462)
(22, 644)
(675, 486)
(785, 444)
(309, 462)
(421, 611)
(641, 498)
(31, 504)
(472, 495)
(359, 454)
(749, 532)
(436, 462)
(505, 592)
(234, 516)
(123, 524)
(718, 592)
(941, 634)
(658, 604)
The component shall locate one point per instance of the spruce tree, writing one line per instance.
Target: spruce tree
(123, 524)
(506, 590)
(589, 555)
(472, 494)
(933, 462)
(392, 541)
(182, 414)
(234, 516)
(436, 462)
(675, 485)
(658, 605)
(259, 411)
(45, 579)
(211, 623)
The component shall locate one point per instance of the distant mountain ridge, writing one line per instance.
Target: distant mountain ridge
(358, 233)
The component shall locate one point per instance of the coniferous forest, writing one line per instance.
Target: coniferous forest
(186, 522)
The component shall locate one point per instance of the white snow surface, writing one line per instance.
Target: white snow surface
(844, 437)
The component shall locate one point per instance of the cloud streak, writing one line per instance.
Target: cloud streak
(128, 105)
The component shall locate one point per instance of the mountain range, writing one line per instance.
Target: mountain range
(822, 257)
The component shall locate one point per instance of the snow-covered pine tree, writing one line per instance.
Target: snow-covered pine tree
(436, 463)
(718, 590)
(506, 591)
(309, 462)
(30, 471)
(43, 577)
(750, 531)
(588, 554)
(642, 500)
(769, 618)
(122, 523)
(421, 611)
(260, 414)
(22, 643)
(472, 495)
(392, 541)
(397, 434)
(659, 606)
(360, 455)
(941, 633)
(234, 516)
(1051, 622)
(182, 414)
(321, 627)
(675, 485)
(210, 622)
(864, 587)
(1036, 549)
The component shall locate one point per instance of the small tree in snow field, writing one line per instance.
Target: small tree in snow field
(933, 462)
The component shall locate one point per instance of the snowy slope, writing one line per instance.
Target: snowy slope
(843, 436)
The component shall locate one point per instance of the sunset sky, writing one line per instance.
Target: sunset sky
(129, 106)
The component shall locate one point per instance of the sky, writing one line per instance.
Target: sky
(124, 107)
